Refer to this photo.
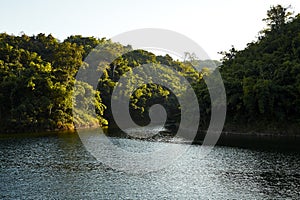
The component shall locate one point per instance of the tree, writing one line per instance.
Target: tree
(277, 16)
(261, 81)
(228, 56)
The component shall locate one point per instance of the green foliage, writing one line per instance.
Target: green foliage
(147, 94)
(36, 82)
(277, 16)
(262, 81)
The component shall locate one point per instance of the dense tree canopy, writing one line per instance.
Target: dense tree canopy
(37, 78)
(262, 81)
(36, 81)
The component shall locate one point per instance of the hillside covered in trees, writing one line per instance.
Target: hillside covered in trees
(38, 76)
(262, 82)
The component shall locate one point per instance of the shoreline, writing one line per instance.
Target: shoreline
(257, 140)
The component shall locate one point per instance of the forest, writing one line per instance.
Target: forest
(262, 81)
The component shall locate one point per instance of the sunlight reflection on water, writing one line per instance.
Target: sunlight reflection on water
(59, 167)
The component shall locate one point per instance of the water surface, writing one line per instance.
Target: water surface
(59, 167)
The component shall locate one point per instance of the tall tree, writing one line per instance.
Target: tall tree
(277, 16)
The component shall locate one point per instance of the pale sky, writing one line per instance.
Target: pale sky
(214, 24)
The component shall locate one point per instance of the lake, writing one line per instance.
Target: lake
(58, 166)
